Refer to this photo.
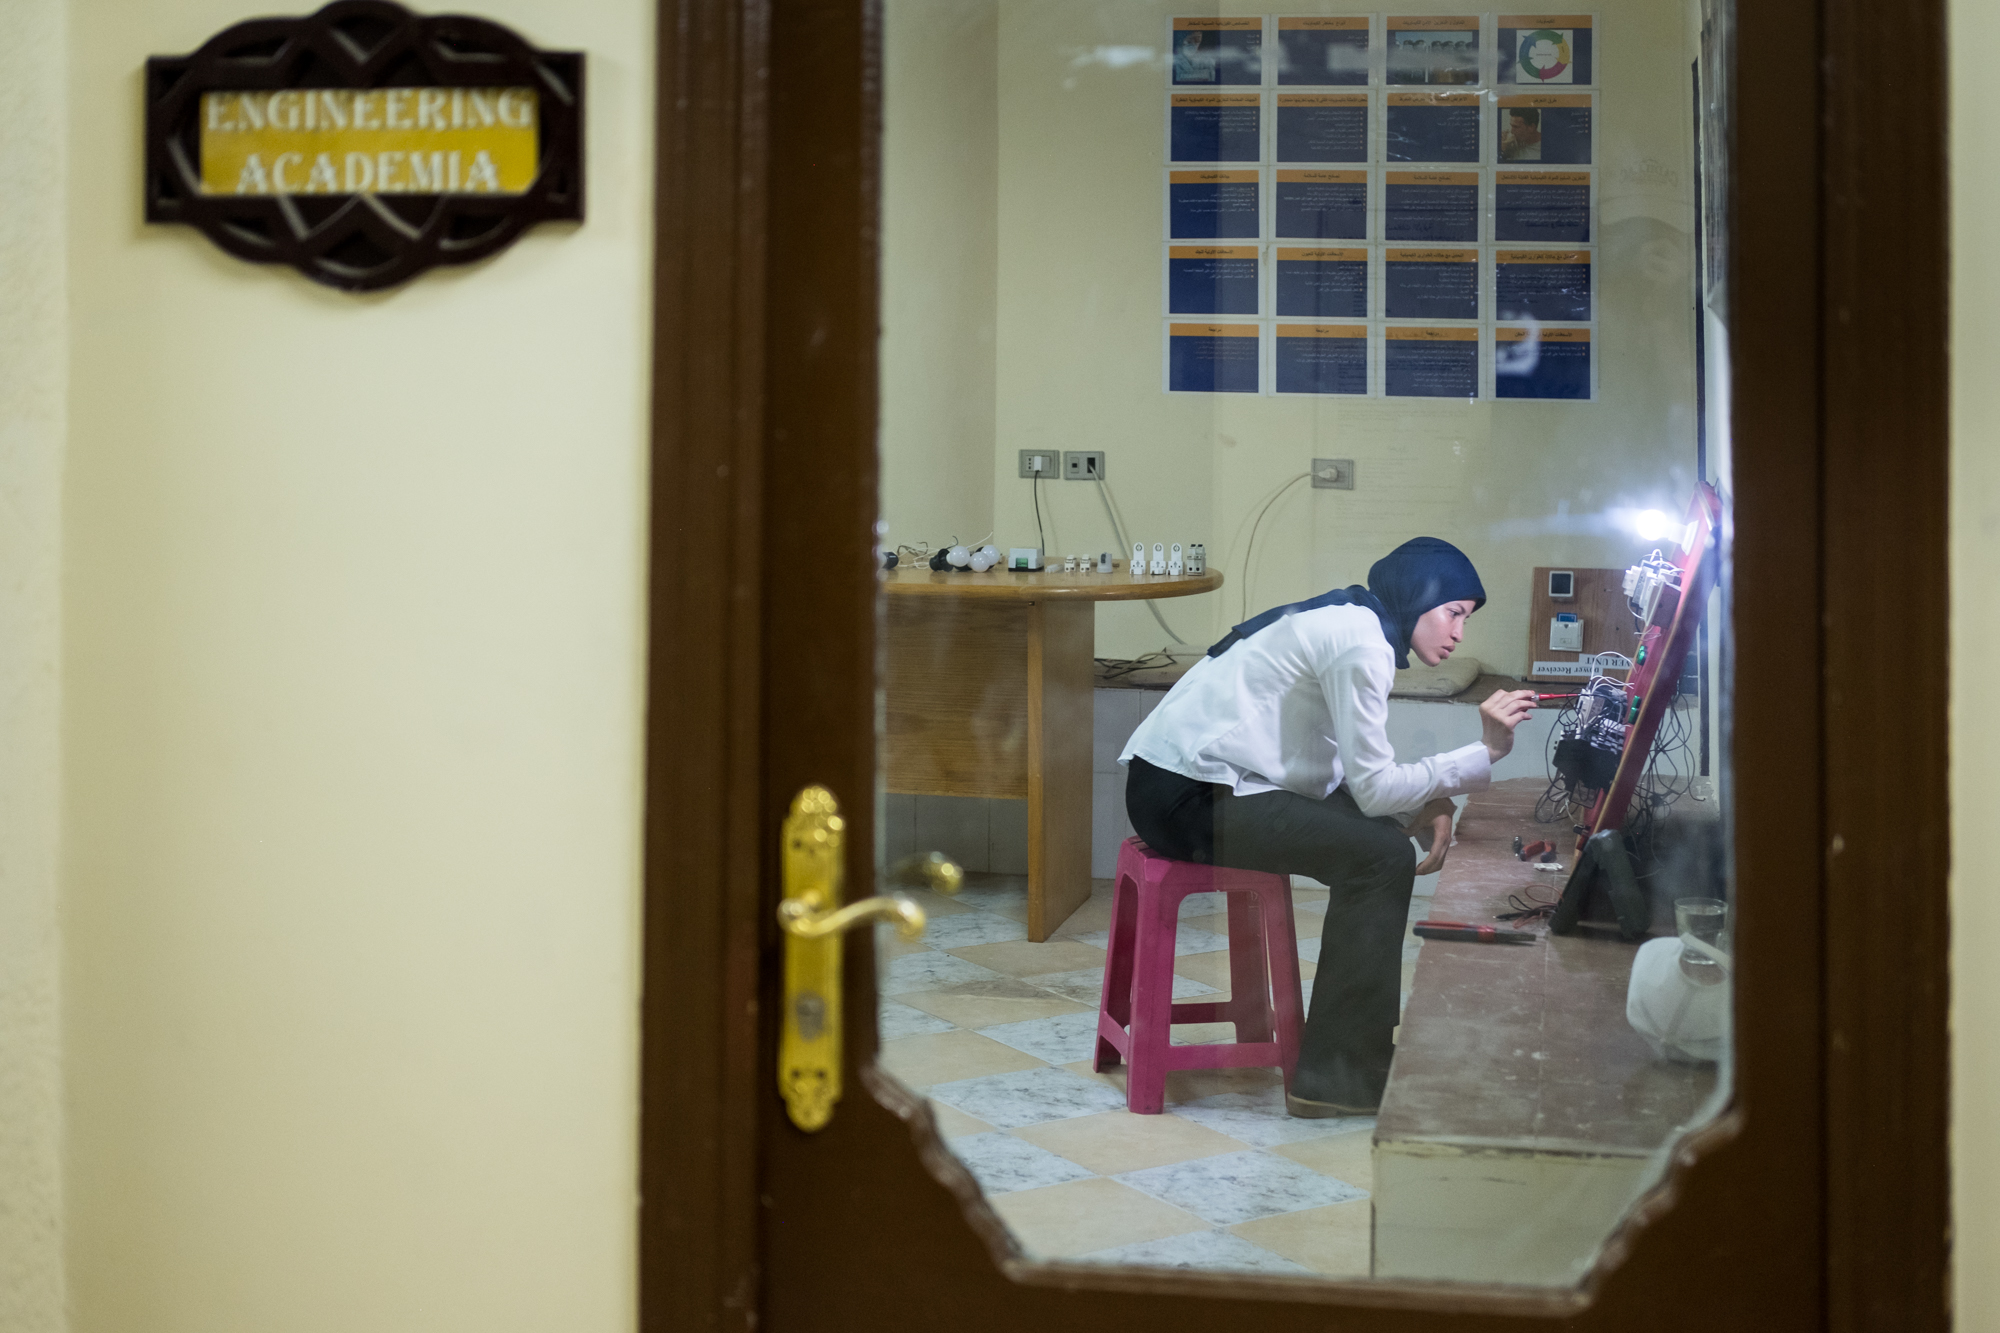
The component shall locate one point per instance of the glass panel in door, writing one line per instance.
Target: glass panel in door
(1305, 494)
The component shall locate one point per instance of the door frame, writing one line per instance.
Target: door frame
(1819, 1201)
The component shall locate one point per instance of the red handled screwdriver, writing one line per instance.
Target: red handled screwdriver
(1470, 934)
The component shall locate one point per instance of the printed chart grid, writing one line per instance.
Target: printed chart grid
(1380, 205)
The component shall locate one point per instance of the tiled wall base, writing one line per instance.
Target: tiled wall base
(1485, 1215)
(979, 833)
(992, 835)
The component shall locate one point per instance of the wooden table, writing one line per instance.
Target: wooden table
(989, 694)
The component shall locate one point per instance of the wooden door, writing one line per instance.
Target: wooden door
(1818, 1201)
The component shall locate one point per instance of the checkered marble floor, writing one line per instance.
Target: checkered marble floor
(998, 1033)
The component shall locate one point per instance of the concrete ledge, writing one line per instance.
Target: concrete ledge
(1523, 1114)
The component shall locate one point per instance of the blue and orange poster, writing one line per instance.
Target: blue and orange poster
(1541, 362)
(1212, 358)
(1322, 358)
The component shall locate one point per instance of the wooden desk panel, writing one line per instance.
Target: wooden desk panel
(956, 678)
(1061, 707)
(988, 692)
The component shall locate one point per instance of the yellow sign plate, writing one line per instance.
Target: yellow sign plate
(336, 141)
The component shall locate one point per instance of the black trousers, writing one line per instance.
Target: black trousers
(1368, 865)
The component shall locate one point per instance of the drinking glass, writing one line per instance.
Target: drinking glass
(1701, 919)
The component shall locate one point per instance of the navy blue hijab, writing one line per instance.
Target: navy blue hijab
(1421, 574)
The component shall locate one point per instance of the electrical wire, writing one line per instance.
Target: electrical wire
(1667, 776)
(1236, 537)
(1117, 528)
(1117, 668)
(1118, 532)
(1035, 489)
(1527, 909)
(1250, 551)
(1559, 804)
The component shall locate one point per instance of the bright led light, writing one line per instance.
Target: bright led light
(1652, 525)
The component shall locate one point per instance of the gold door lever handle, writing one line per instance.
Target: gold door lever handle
(931, 870)
(813, 921)
(805, 923)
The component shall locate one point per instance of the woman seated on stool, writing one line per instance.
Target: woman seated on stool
(1270, 755)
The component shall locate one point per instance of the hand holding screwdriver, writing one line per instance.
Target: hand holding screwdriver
(1503, 711)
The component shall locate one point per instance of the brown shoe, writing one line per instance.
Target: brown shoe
(1306, 1109)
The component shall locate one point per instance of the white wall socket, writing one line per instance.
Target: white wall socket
(1083, 465)
(1333, 474)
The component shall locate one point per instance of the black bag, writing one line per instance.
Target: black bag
(1603, 887)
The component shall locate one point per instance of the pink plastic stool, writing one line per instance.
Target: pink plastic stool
(1136, 1017)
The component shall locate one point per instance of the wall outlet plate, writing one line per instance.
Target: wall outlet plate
(1083, 465)
(1333, 474)
(1051, 460)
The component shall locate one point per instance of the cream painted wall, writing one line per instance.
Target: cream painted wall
(1517, 485)
(1079, 103)
(1975, 554)
(940, 179)
(32, 397)
(352, 590)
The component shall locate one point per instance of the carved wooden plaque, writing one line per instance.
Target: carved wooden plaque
(364, 144)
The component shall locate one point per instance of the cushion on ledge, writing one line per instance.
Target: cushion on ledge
(1452, 676)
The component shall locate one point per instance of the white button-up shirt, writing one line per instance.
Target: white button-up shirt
(1302, 705)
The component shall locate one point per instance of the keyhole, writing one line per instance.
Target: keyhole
(809, 1013)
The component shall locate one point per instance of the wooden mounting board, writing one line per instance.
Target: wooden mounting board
(1600, 600)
